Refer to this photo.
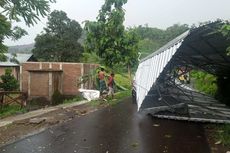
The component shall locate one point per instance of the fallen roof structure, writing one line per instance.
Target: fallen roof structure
(160, 93)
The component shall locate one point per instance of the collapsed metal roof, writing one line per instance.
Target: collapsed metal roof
(160, 93)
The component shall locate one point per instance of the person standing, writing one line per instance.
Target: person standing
(111, 85)
(102, 85)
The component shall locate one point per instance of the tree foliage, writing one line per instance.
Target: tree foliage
(15, 10)
(174, 31)
(130, 48)
(6, 31)
(225, 30)
(8, 81)
(91, 58)
(108, 38)
(152, 39)
(204, 82)
(29, 10)
(59, 43)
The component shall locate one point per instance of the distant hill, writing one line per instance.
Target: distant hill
(21, 48)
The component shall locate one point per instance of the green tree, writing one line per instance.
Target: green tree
(91, 58)
(174, 31)
(146, 32)
(152, 39)
(15, 10)
(59, 43)
(8, 81)
(107, 36)
(130, 50)
(147, 46)
(5, 28)
(6, 31)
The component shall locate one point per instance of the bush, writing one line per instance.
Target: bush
(204, 82)
(123, 80)
(212, 85)
(57, 98)
(223, 134)
(9, 82)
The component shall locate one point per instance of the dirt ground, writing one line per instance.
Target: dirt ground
(215, 145)
(24, 128)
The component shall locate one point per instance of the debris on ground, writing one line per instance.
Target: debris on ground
(37, 124)
(167, 136)
(156, 125)
(135, 145)
(37, 120)
(216, 146)
(218, 142)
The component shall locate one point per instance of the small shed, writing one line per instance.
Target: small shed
(13, 61)
(43, 83)
(41, 79)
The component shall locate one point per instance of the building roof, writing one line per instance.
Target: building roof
(21, 58)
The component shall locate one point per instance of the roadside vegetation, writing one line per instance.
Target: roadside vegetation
(11, 110)
(204, 82)
(222, 134)
(210, 85)
(123, 80)
(77, 98)
(9, 83)
(118, 97)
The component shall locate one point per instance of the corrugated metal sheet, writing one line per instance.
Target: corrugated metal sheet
(150, 69)
(21, 58)
(158, 90)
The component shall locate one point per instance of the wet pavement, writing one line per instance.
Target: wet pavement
(117, 129)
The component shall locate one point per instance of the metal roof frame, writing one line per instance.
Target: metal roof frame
(160, 93)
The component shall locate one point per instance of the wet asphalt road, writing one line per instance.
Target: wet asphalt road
(118, 129)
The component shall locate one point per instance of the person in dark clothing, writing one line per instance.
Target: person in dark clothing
(102, 85)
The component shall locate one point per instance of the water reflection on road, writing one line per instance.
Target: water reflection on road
(117, 129)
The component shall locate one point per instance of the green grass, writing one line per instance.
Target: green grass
(11, 110)
(204, 82)
(223, 134)
(118, 97)
(122, 94)
(123, 80)
(72, 100)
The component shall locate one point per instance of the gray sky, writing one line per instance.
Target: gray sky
(155, 13)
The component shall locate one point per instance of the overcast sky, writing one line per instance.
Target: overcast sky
(155, 13)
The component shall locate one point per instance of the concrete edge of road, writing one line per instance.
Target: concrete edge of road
(23, 137)
(12, 119)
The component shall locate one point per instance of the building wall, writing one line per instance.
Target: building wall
(71, 75)
(24, 74)
(38, 84)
